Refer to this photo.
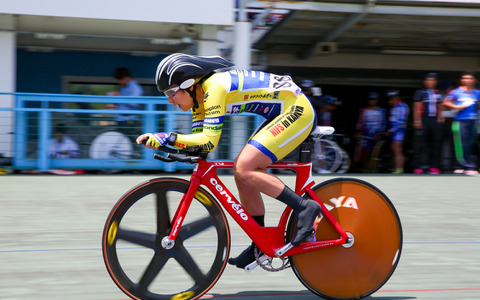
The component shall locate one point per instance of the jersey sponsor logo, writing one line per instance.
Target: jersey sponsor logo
(213, 127)
(215, 120)
(237, 207)
(276, 129)
(265, 108)
(212, 110)
(261, 96)
(286, 120)
(206, 96)
(295, 113)
(181, 145)
(197, 124)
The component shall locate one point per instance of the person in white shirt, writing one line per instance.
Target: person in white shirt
(61, 145)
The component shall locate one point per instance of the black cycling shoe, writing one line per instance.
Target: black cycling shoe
(304, 222)
(245, 258)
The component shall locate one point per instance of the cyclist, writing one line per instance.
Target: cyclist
(398, 128)
(191, 83)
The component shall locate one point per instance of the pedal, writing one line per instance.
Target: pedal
(254, 264)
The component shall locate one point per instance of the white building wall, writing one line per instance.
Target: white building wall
(214, 12)
(7, 85)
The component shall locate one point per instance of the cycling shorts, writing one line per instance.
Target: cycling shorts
(399, 135)
(287, 131)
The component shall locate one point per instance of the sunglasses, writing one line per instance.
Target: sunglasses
(171, 92)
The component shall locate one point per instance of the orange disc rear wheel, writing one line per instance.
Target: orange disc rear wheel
(358, 269)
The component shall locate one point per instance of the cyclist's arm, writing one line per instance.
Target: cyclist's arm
(207, 126)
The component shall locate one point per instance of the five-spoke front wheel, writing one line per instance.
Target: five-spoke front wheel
(132, 242)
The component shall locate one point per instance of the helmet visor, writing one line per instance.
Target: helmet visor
(171, 92)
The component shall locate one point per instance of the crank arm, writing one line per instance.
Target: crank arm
(254, 264)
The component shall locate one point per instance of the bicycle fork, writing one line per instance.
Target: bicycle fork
(169, 241)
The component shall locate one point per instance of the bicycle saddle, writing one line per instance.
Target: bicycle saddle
(322, 130)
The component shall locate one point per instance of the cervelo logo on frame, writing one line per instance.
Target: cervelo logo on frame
(236, 206)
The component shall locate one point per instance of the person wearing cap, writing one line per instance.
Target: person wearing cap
(398, 127)
(465, 99)
(371, 123)
(427, 118)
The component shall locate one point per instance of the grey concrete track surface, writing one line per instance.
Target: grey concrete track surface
(51, 227)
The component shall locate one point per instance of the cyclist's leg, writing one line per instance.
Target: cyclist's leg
(252, 179)
(273, 142)
(250, 176)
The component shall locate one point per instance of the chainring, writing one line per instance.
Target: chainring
(267, 263)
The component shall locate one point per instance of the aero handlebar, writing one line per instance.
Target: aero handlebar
(189, 156)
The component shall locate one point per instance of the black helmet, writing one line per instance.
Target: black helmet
(392, 93)
(186, 70)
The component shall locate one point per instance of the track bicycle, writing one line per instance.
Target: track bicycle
(154, 249)
(329, 157)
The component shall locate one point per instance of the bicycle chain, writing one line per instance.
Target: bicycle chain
(267, 264)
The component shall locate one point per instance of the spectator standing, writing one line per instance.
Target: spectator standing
(61, 145)
(448, 151)
(127, 124)
(398, 128)
(314, 95)
(372, 122)
(427, 120)
(465, 99)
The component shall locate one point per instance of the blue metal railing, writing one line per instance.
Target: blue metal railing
(36, 114)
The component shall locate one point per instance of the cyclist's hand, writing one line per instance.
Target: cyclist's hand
(154, 140)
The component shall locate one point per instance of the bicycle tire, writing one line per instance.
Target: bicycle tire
(345, 164)
(351, 273)
(132, 250)
(380, 160)
(326, 157)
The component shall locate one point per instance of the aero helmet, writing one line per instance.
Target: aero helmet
(186, 70)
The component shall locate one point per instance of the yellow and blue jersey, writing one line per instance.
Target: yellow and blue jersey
(277, 98)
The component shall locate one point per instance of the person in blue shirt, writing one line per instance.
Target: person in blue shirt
(464, 99)
(130, 87)
(127, 124)
(371, 124)
(398, 128)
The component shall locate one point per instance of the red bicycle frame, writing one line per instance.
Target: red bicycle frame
(268, 239)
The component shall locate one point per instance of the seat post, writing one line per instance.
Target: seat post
(306, 148)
